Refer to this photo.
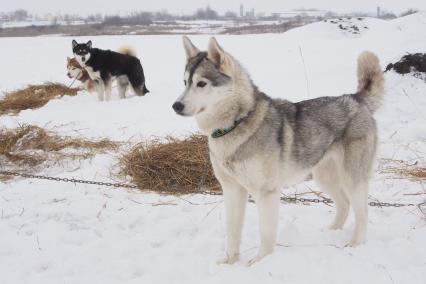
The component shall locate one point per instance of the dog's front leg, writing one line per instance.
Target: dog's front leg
(235, 197)
(268, 203)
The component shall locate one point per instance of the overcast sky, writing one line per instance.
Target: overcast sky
(85, 7)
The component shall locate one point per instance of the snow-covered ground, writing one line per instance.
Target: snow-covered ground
(63, 233)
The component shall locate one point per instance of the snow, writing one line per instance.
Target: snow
(55, 232)
(37, 23)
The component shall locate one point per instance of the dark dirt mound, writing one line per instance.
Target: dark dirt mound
(409, 63)
(351, 25)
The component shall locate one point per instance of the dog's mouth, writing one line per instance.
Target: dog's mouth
(69, 75)
(199, 111)
(181, 110)
(190, 114)
(182, 114)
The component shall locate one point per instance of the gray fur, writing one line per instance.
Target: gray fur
(208, 70)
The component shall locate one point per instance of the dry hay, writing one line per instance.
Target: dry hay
(403, 168)
(170, 165)
(29, 148)
(34, 96)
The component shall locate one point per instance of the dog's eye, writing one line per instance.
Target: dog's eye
(184, 82)
(201, 84)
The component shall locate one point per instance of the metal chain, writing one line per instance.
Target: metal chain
(72, 180)
(212, 193)
(75, 79)
(329, 201)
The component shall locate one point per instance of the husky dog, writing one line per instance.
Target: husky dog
(258, 144)
(104, 65)
(76, 71)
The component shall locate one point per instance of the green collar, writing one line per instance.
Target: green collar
(219, 132)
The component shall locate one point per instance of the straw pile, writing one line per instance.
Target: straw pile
(34, 96)
(170, 165)
(27, 148)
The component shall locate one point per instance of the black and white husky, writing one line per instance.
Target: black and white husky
(105, 65)
(258, 144)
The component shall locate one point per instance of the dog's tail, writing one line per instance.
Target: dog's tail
(127, 50)
(371, 82)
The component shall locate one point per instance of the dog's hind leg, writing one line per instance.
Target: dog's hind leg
(358, 199)
(357, 165)
(100, 87)
(326, 175)
(122, 83)
(108, 89)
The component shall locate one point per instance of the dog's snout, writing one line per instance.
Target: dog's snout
(178, 107)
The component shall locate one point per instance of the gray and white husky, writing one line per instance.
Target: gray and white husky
(258, 144)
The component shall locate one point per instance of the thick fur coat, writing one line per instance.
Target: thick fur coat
(275, 143)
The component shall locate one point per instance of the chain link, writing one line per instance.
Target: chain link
(286, 199)
(306, 200)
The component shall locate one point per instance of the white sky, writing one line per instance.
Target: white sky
(85, 7)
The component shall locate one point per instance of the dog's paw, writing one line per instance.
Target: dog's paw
(255, 259)
(258, 257)
(335, 226)
(229, 259)
(353, 243)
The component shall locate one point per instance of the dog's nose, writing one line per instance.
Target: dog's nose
(178, 107)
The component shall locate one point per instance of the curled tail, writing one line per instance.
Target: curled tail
(127, 50)
(371, 82)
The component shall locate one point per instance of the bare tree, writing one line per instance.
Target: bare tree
(206, 14)
(20, 15)
(230, 15)
(409, 12)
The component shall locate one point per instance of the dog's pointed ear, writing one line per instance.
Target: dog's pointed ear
(215, 52)
(89, 44)
(190, 48)
(74, 43)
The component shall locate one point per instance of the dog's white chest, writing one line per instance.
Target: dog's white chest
(94, 75)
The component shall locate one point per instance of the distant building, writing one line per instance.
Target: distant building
(241, 10)
(250, 14)
(378, 12)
